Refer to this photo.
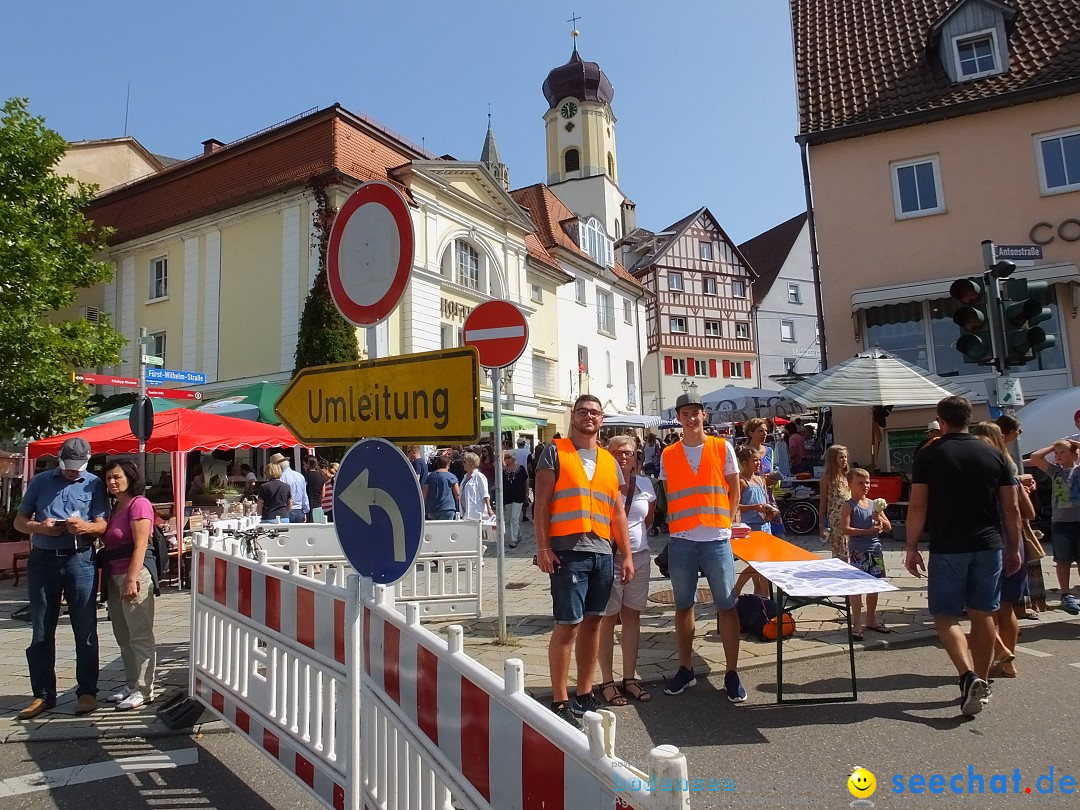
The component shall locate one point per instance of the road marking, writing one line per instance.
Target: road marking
(80, 774)
(1035, 653)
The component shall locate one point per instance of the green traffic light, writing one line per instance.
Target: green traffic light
(973, 347)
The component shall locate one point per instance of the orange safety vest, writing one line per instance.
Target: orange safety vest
(697, 499)
(579, 505)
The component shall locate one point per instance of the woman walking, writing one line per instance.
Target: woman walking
(275, 501)
(475, 498)
(128, 584)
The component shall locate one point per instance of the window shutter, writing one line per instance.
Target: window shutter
(727, 369)
(712, 368)
(746, 369)
(690, 366)
(667, 366)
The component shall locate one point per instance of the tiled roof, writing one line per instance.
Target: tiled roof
(864, 65)
(537, 251)
(768, 251)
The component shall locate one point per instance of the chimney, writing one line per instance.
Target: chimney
(629, 217)
(211, 145)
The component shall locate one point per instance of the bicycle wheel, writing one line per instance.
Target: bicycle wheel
(801, 518)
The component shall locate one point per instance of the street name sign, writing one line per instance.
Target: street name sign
(499, 332)
(105, 379)
(431, 397)
(173, 393)
(378, 510)
(152, 360)
(370, 253)
(1020, 255)
(162, 375)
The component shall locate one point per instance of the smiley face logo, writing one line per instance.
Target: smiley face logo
(861, 783)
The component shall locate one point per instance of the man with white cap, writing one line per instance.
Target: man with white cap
(933, 431)
(63, 510)
(297, 485)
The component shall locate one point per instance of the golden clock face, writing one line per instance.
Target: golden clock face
(569, 109)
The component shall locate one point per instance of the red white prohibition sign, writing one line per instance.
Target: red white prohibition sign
(370, 253)
(499, 332)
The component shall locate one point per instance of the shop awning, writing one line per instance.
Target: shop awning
(1061, 273)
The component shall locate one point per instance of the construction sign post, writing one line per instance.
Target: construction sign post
(429, 397)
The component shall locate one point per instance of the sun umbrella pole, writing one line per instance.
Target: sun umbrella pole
(500, 565)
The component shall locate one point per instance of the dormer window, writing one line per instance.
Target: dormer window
(977, 55)
(972, 39)
(595, 241)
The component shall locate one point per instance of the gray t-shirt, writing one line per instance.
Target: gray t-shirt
(1065, 493)
(589, 541)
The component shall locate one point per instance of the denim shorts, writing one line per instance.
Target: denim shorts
(580, 585)
(970, 580)
(1065, 541)
(713, 558)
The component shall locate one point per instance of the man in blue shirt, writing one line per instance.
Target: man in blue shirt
(297, 485)
(63, 510)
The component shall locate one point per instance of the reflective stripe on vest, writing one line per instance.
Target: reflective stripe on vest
(697, 499)
(579, 506)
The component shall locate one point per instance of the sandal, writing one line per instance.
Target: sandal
(612, 696)
(633, 688)
(857, 637)
(879, 628)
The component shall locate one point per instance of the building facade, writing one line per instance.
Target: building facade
(964, 127)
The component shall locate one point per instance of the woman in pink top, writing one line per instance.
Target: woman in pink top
(129, 585)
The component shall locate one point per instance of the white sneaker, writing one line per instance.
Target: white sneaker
(118, 696)
(132, 701)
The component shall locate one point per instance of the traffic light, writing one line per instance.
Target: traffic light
(1023, 310)
(971, 317)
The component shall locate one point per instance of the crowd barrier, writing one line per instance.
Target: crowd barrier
(365, 708)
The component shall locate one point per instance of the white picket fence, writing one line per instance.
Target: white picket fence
(366, 708)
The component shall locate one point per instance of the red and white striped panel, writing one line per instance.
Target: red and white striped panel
(270, 598)
(324, 783)
(511, 764)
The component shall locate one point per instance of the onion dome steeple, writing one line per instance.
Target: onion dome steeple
(579, 79)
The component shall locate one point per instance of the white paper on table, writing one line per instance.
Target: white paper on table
(830, 577)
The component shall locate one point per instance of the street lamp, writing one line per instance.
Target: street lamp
(685, 385)
(693, 387)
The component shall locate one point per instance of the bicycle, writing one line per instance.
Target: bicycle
(249, 538)
(799, 517)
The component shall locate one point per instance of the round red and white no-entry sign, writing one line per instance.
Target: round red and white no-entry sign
(499, 332)
(370, 253)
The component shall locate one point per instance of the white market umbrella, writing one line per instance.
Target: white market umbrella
(630, 420)
(733, 403)
(1048, 419)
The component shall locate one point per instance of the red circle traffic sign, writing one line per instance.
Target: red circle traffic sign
(370, 253)
(499, 332)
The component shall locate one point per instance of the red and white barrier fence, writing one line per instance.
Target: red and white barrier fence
(367, 709)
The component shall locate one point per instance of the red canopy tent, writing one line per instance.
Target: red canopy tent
(177, 431)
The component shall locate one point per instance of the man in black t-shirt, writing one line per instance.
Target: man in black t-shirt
(963, 486)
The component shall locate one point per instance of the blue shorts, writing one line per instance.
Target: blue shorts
(581, 585)
(1065, 541)
(713, 558)
(970, 580)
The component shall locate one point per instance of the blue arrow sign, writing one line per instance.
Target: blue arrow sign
(162, 375)
(378, 510)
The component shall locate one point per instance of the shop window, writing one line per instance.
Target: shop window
(901, 330)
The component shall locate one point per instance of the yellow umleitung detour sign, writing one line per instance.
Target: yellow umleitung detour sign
(427, 397)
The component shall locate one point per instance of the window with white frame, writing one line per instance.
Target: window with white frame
(579, 291)
(793, 294)
(595, 241)
(1059, 161)
(544, 376)
(583, 359)
(628, 310)
(466, 265)
(447, 335)
(712, 328)
(705, 252)
(159, 278)
(631, 385)
(742, 331)
(678, 366)
(737, 371)
(738, 288)
(787, 331)
(156, 345)
(537, 293)
(607, 367)
(977, 55)
(708, 285)
(678, 324)
(674, 282)
(605, 312)
(701, 368)
(917, 188)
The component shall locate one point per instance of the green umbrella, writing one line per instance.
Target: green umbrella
(509, 422)
(259, 397)
(123, 412)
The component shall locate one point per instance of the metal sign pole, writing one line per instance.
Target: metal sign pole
(496, 396)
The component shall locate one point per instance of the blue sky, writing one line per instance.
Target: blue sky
(704, 90)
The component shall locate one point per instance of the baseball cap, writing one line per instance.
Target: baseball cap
(688, 399)
(521, 440)
(935, 425)
(277, 458)
(74, 454)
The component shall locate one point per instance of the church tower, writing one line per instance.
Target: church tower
(489, 156)
(582, 164)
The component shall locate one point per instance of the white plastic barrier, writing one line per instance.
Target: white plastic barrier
(366, 708)
(446, 581)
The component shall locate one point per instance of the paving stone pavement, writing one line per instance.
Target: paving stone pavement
(820, 631)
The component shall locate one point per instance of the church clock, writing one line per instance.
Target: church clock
(568, 110)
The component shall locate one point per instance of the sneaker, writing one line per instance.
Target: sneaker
(36, 707)
(132, 701)
(86, 704)
(116, 697)
(734, 688)
(562, 709)
(974, 695)
(1069, 604)
(585, 703)
(682, 681)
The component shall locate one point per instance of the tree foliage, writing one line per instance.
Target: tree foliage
(47, 254)
(324, 335)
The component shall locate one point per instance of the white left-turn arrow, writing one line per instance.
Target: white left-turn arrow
(360, 497)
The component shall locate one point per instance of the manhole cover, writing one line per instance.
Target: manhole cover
(667, 597)
(516, 586)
